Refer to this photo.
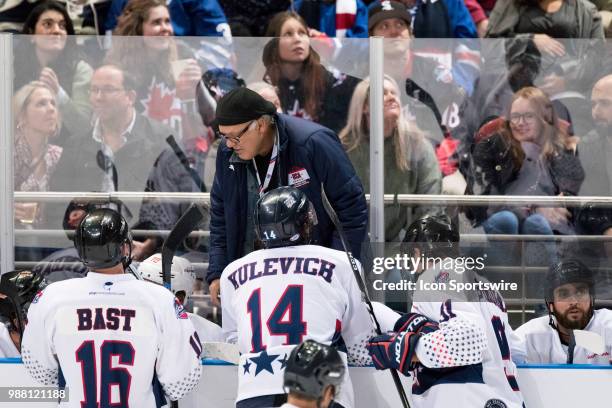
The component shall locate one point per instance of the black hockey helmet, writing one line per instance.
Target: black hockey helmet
(568, 271)
(432, 232)
(99, 239)
(284, 216)
(311, 368)
(220, 81)
(17, 290)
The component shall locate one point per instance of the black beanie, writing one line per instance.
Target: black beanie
(241, 105)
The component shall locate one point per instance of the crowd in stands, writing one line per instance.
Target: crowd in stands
(527, 111)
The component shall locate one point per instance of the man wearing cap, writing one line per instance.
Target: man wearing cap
(261, 150)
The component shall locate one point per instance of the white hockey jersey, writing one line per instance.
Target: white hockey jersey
(543, 345)
(491, 383)
(106, 336)
(274, 299)
(7, 347)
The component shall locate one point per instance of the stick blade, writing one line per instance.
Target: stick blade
(590, 341)
(221, 351)
(184, 226)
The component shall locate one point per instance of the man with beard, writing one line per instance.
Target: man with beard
(596, 145)
(570, 298)
(594, 150)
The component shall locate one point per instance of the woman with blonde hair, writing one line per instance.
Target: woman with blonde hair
(165, 70)
(48, 53)
(410, 163)
(36, 121)
(530, 153)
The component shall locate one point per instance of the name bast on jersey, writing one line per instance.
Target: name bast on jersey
(105, 336)
(273, 299)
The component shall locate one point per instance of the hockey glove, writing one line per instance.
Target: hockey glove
(414, 322)
(393, 350)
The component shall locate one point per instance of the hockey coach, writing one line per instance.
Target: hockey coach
(262, 150)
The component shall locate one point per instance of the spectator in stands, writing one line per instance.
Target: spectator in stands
(440, 19)
(339, 18)
(36, 123)
(594, 150)
(118, 152)
(171, 174)
(545, 20)
(605, 11)
(305, 88)
(268, 92)
(165, 70)
(189, 17)
(429, 85)
(410, 163)
(567, 34)
(596, 145)
(262, 150)
(51, 57)
(480, 16)
(250, 18)
(445, 19)
(529, 154)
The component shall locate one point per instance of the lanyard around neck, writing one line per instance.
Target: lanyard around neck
(263, 186)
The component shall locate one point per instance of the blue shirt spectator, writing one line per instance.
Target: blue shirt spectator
(189, 17)
(323, 15)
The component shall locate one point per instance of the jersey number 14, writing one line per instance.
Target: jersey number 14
(290, 304)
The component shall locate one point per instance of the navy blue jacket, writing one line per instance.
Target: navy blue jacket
(302, 145)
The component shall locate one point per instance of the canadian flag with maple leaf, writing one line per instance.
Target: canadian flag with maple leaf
(162, 104)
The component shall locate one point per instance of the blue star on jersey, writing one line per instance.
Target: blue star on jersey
(264, 362)
(246, 366)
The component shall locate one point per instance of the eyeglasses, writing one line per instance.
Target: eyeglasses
(564, 295)
(528, 117)
(104, 91)
(235, 139)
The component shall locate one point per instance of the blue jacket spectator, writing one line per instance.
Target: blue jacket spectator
(323, 15)
(308, 153)
(189, 17)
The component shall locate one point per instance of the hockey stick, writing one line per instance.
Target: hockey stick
(589, 340)
(334, 218)
(187, 223)
(183, 159)
(221, 351)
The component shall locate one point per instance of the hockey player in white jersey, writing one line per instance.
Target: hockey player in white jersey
(313, 374)
(182, 282)
(17, 289)
(111, 339)
(274, 298)
(456, 345)
(570, 298)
